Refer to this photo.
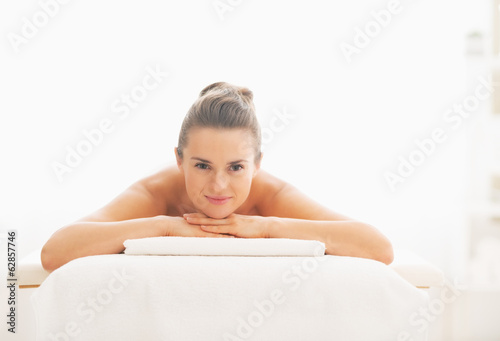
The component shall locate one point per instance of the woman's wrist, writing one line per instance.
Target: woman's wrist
(270, 225)
(162, 225)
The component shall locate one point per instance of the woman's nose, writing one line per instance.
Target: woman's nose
(220, 181)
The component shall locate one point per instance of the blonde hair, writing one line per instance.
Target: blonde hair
(224, 106)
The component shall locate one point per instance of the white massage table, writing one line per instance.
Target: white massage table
(123, 297)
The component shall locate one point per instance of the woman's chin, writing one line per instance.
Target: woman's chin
(216, 215)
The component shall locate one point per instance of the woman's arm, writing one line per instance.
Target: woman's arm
(84, 238)
(130, 215)
(342, 238)
(294, 215)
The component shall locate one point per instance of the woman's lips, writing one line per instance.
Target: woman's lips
(217, 200)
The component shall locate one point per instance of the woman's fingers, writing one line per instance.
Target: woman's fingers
(217, 235)
(216, 228)
(197, 231)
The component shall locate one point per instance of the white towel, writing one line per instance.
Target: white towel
(194, 246)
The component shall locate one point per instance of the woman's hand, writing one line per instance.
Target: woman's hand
(179, 227)
(237, 225)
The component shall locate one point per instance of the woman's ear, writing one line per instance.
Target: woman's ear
(257, 165)
(178, 159)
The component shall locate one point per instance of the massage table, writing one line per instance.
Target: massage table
(157, 297)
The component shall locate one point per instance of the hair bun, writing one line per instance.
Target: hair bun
(245, 92)
(212, 87)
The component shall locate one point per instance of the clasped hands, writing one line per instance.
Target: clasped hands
(234, 225)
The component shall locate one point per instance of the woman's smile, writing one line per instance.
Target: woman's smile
(217, 200)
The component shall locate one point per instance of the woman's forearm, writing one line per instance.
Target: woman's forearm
(96, 238)
(342, 238)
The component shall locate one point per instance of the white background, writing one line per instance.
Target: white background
(352, 120)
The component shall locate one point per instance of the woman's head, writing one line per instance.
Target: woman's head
(219, 148)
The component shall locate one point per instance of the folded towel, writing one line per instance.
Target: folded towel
(194, 246)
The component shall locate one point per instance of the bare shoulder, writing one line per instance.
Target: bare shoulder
(276, 197)
(146, 197)
(265, 187)
(267, 182)
(162, 181)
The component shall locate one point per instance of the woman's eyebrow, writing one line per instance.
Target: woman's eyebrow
(229, 163)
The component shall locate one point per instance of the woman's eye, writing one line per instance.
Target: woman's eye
(201, 166)
(236, 167)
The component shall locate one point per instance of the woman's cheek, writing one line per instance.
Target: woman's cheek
(244, 189)
(194, 188)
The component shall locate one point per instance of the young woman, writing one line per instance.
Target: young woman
(216, 189)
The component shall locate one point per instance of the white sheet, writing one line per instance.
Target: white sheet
(192, 246)
(417, 270)
(118, 297)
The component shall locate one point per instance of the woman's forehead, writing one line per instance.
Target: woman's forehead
(219, 143)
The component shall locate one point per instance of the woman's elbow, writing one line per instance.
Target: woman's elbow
(385, 252)
(49, 260)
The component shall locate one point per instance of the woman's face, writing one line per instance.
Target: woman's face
(218, 167)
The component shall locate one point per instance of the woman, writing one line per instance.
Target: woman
(216, 189)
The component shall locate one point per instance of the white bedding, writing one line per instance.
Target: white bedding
(192, 246)
(121, 297)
